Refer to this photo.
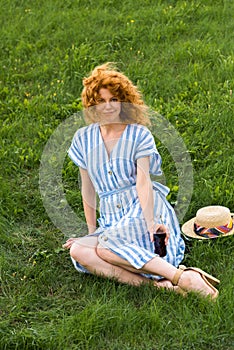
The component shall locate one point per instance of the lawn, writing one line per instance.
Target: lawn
(181, 56)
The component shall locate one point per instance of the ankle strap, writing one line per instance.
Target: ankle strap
(177, 275)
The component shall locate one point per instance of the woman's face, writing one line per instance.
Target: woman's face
(108, 107)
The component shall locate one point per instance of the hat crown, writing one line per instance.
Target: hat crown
(213, 216)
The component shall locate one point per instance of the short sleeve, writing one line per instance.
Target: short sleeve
(76, 150)
(146, 148)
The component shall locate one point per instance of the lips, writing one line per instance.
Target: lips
(109, 113)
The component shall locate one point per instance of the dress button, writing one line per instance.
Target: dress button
(118, 206)
(105, 238)
(110, 172)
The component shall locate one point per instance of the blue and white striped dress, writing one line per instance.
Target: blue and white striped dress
(122, 227)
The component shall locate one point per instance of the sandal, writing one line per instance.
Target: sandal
(208, 279)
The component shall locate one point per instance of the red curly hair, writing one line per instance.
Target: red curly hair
(133, 109)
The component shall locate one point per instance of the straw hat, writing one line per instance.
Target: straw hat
(210, 222)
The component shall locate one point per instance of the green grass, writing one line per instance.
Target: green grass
(180, 54)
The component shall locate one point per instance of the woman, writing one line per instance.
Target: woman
(115, 154)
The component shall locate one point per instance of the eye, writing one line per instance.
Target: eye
(114, 99)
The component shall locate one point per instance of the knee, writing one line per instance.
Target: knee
(80, 253)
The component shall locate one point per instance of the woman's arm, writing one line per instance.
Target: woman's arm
(145, 194)
(89, 200)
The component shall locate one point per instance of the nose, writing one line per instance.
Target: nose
(108, 105)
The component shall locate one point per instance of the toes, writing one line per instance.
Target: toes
(165, 284)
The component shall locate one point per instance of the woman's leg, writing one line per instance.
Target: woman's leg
(83, 250)
(190, 280)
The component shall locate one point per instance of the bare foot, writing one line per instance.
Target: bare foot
(168, 285)
(164, 284)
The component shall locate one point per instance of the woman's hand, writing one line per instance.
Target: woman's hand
(159, 228)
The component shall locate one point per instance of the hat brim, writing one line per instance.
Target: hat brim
(187, 229)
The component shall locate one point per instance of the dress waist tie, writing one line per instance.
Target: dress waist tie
(117, 191)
